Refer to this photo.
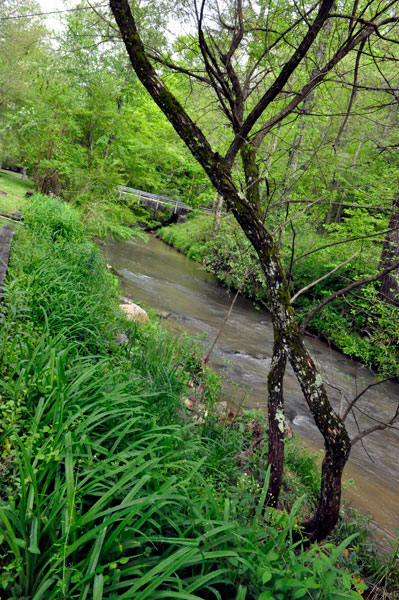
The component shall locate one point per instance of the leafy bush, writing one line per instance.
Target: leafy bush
(52, 218)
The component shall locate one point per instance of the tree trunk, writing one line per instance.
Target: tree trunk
(353, 165)
(287, 334)
(217, 216)
(247, 211)
(327, 513)
(276, 417)
(118, 108)
(389, 289)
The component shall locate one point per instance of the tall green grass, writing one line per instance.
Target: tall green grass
(107, 491)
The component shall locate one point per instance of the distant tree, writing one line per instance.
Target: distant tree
(389, 288)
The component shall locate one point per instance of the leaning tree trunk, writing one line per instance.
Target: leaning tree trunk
(287, 333)
(247, 211)
(389, 289)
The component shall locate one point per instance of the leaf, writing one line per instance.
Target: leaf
(267, 575)
(299, 593)
(266, 595)
(98, 587)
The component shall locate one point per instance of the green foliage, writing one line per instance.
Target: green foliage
(363, 555)
(190, 238)
(107, 490)
(82, 124)
(360, 325)
(112, 218)
(53, 218)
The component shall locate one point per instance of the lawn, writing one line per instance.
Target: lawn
(15, 189)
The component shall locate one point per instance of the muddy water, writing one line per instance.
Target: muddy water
(160, 277)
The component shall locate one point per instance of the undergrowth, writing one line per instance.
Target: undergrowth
(108, 490)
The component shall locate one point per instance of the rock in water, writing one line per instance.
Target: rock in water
(133, 311)
(114, 271)
(162, 314)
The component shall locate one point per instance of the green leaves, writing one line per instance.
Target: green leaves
(109, 494)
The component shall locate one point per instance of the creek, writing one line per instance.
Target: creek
(157, 276)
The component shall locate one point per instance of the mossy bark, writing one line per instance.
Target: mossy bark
(276, 419)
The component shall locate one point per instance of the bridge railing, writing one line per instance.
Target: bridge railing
(155, 198)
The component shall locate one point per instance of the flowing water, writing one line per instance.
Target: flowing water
(157, 276)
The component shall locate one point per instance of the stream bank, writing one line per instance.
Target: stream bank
(360, 325)
(158, 276)
(106, 489)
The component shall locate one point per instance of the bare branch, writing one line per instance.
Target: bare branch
(352, 239)
(308, 287)
(345, 290)
(349, 45)
(378, 427)
(179, 69)
(366, 389)
(279, 83)
(214, 71)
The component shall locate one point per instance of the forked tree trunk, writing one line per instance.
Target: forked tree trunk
(286, 331)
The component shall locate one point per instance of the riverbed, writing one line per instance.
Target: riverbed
(157, 276)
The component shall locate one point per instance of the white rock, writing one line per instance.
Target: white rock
(133, 311)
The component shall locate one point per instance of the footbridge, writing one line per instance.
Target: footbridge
(155, 201)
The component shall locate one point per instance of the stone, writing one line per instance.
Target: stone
(198, 419)
(133, 312)
(121, 339)
(113, 271)
(162, 314)
(6, 236)
(221, 408)
(189, 404)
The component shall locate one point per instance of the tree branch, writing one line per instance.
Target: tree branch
(358, 396)
(280, 82)
(378, 427)
(353, 239)
(345, 290)
(183, 124)
(308, 287)
(306, 89)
